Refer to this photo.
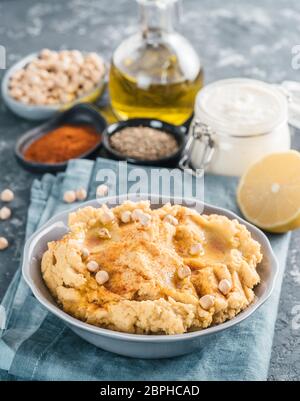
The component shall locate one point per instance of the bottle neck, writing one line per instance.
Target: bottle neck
(156, 17)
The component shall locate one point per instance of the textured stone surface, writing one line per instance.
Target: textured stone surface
(250, 38)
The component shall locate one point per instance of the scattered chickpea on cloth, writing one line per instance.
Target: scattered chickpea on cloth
(69, 196)
(72, 196)
(102, 190)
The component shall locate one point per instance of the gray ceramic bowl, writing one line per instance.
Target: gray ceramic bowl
(42, 112)
(136, 345)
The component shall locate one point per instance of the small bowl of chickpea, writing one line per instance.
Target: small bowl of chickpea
(45, 83)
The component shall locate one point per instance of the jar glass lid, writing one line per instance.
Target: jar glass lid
(241, 107)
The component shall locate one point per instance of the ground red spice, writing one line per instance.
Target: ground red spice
(64, 143)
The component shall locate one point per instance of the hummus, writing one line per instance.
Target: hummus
(166, 271)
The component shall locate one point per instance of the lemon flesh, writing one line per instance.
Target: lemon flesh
(269, 192)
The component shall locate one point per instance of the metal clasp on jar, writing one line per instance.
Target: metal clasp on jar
(291, 90)
(201, 134)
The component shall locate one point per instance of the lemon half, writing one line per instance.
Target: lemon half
(269, 192)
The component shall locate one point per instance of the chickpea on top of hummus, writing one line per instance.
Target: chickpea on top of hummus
(54, 78)
(163, 271)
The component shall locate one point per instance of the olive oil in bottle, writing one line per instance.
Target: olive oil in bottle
(155, 73)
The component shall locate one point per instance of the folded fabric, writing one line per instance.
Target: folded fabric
(37, 345)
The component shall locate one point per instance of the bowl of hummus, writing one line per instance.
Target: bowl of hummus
(147, 276)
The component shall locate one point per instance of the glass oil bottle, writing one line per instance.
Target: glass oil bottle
(155, 73)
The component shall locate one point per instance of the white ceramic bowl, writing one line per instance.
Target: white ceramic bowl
(137, 345)
(35, 112)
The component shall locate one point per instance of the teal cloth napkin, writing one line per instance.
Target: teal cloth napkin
(36, 345)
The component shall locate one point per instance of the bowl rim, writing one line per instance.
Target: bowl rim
(148, 338)
(33, 107)
(177, 131)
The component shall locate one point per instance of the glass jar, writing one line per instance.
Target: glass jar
(155, 73)
(236, 122)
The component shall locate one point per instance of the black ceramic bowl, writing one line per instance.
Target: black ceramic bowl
(178, 132)
(80, 114)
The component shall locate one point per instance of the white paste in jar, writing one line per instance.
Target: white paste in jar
(249, 119)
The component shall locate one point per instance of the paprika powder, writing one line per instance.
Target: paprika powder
(63, 143)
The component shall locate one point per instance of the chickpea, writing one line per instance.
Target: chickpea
(16, 93)
(38, 98)
(25, 99)
(69, 197)
(49, 83)
(65, 98)
(88, 86)
(34, 79)
(81, 194)
(7, 195)
(3, 243)
(51, 100)
(77, 57)
(96, 76)
(45, 53)
(31, 68)
(44, 74)
(5, 213)
(13, 83)
(18, 75)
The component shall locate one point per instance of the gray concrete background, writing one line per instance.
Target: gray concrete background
(250, 38)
